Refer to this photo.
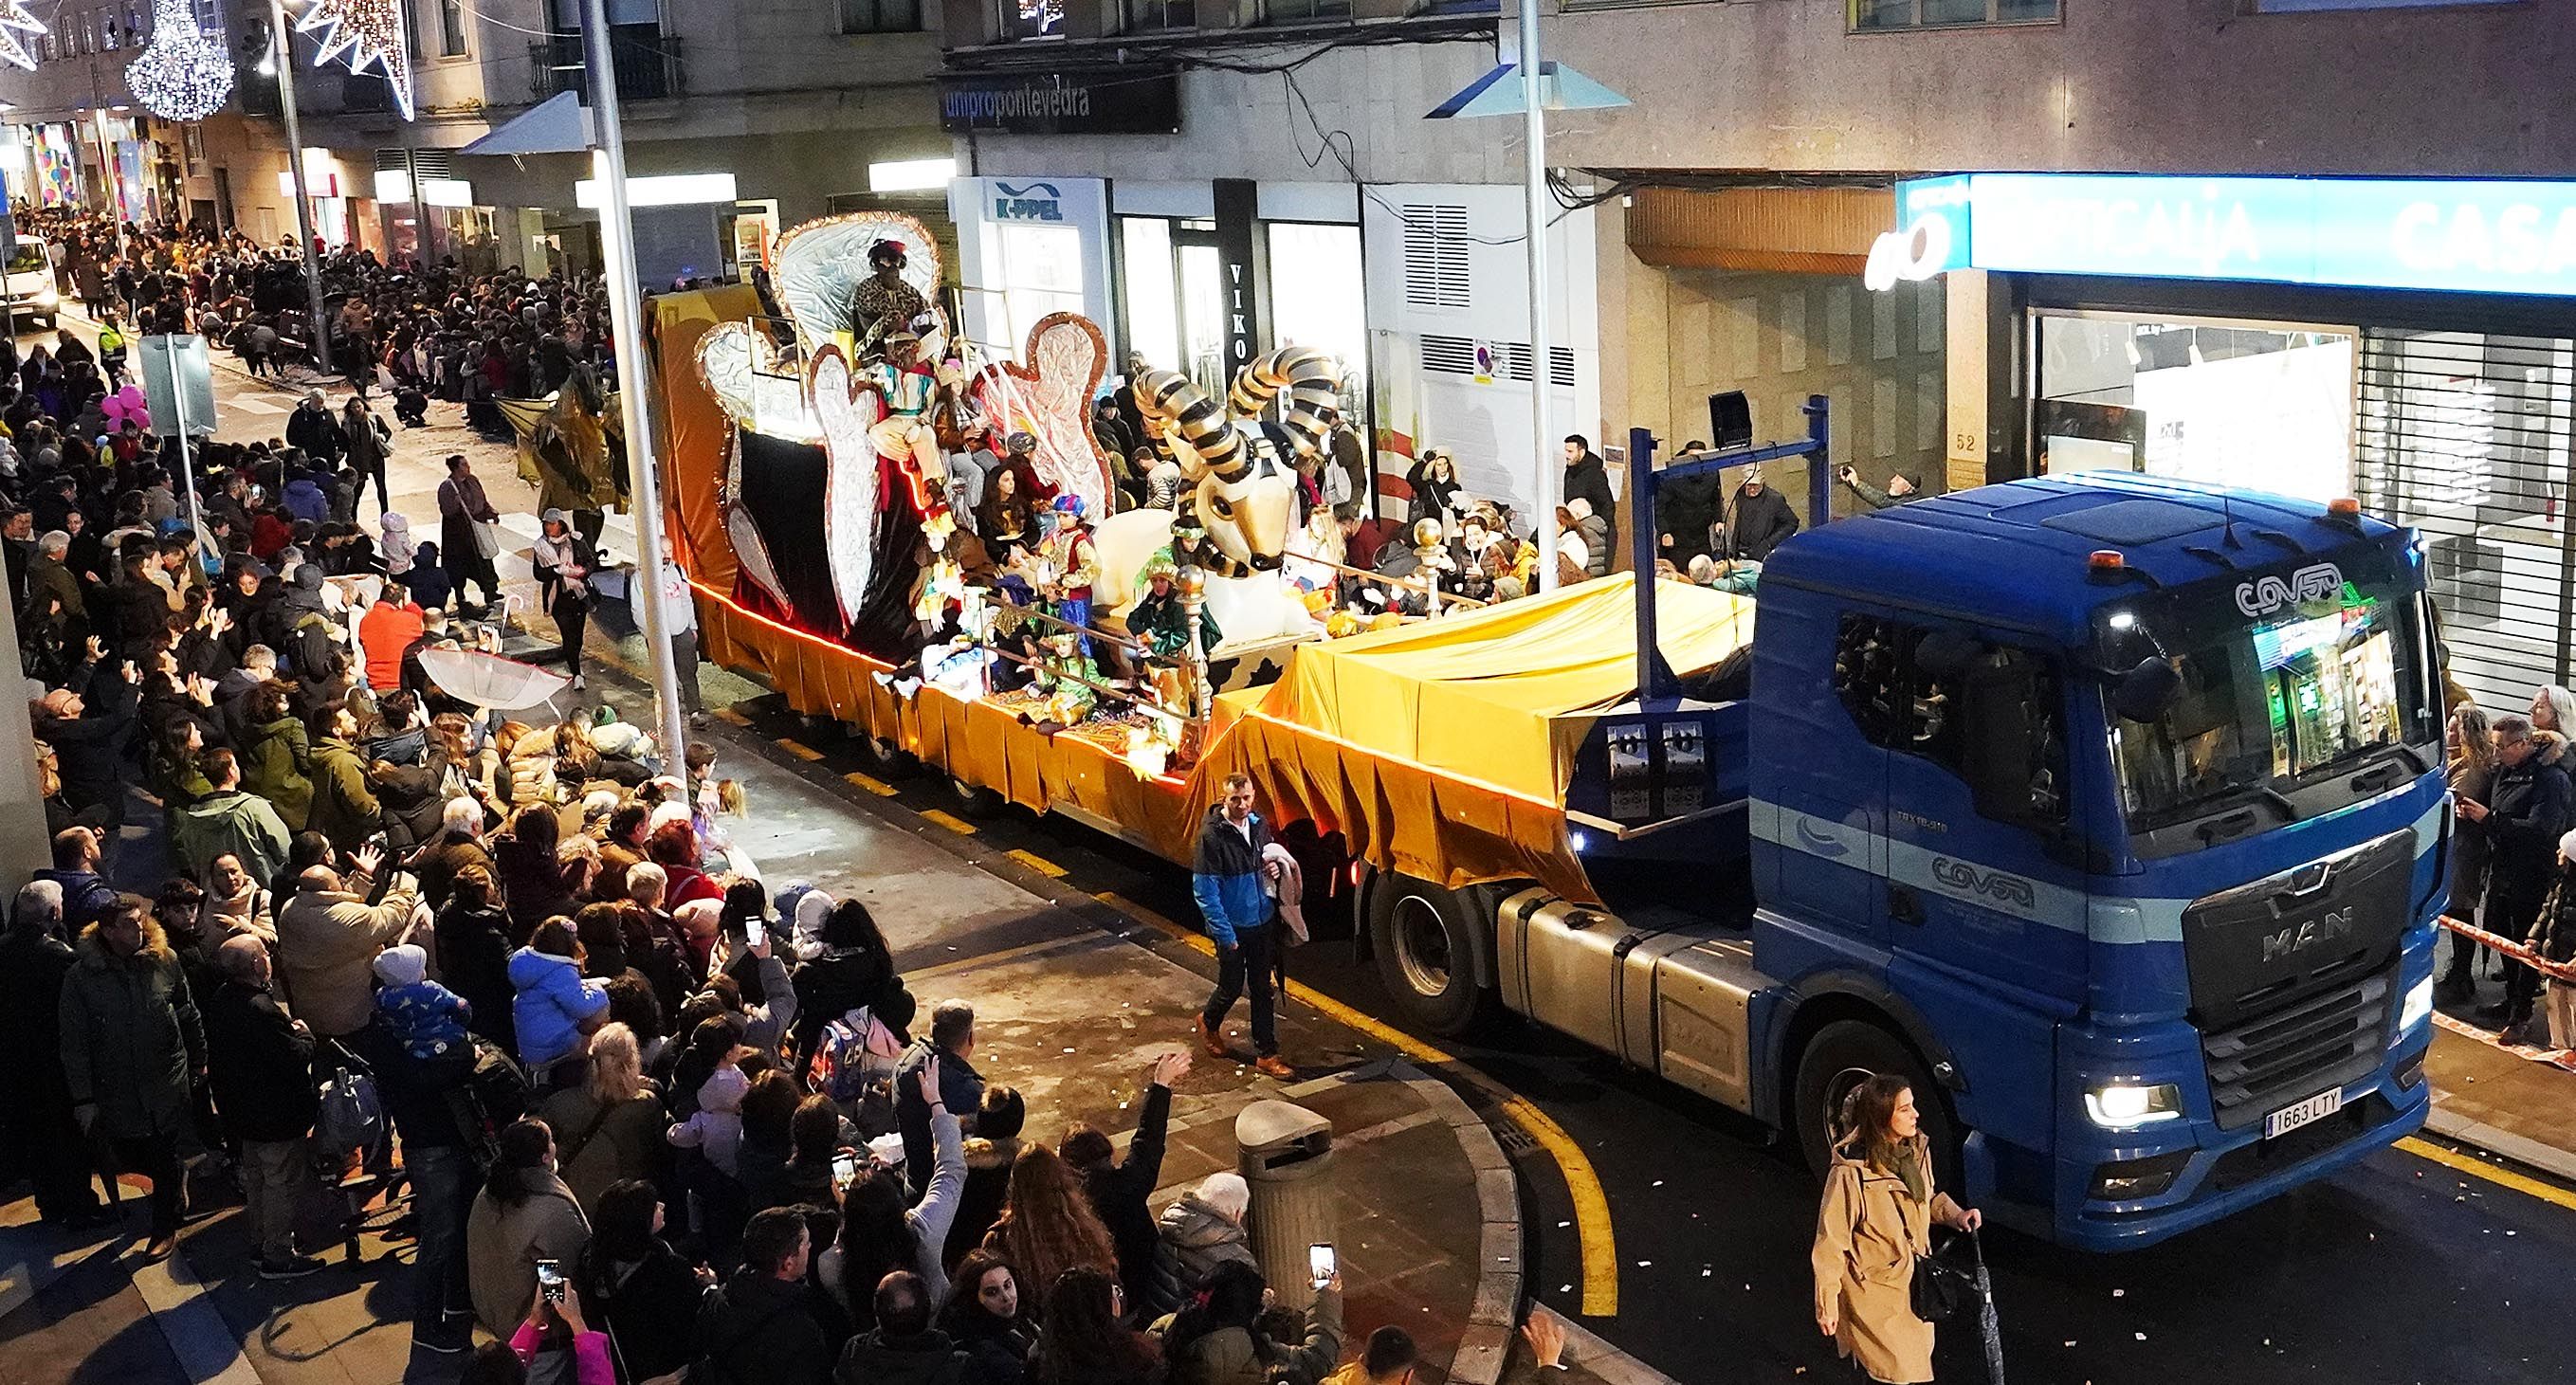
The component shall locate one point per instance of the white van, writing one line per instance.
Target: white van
(30, 286)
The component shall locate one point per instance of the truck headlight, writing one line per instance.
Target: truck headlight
(2418, 1007)
(47, 298)
(2127, 1105)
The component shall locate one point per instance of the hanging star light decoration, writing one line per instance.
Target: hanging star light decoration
(18, 33)
(372, 33)
(183, 75)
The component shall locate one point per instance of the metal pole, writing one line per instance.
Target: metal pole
(1551, 477)
(420, 250)
(285, 41)
(179, 434)
(625, 309)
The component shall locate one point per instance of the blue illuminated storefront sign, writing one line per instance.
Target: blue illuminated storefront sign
(2475, 237)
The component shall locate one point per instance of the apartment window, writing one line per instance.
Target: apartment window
(1033, 18)
(1162, 14)
(210, 16)
(1304, 11)
(1872, 15)
(2300, 6)
(451, 28)
(880, 16)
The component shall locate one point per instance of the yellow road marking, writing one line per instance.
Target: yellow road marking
(730, 717)
(879, 787)
(954, 824)
(1591, 1204)
(799, 749)
(1037, 863)
(2507, 1178)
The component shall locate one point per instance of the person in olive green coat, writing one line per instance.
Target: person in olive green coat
(344, 807)
(131, 1044)
(276, 757)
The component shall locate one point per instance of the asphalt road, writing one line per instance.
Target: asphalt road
(2400, 1270)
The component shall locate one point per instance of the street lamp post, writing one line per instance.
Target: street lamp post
(1550, 478)
(625, 309)
(284, 39)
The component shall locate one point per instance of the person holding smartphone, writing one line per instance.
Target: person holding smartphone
(555, 1324)
(1217, 1339)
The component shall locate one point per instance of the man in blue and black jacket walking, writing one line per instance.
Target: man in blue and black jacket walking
(1230, 879)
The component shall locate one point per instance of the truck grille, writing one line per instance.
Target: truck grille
(2324, 1039)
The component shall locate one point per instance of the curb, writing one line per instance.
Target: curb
(2502, 1143)
(1486, 1346)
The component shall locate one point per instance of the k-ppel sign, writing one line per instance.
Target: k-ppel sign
(2425, 234)
(1137, 99)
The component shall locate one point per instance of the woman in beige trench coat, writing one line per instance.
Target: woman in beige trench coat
(1878, 1213)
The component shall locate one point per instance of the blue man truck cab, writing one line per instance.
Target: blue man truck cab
(2107, 808)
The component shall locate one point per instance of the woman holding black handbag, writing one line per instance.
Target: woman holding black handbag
(1875, 1225)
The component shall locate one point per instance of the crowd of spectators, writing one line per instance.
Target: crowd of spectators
(420, 331)
(649, 1115)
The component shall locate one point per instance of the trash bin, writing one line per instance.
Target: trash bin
(1287, 1157)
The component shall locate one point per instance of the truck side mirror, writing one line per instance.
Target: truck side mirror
(2143, 693)
(2009, 742)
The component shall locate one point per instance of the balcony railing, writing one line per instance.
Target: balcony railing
(647, 60)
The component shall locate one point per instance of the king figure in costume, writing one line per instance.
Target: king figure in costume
(909, 390)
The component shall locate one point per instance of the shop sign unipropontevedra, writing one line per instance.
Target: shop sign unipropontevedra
(1136, 99)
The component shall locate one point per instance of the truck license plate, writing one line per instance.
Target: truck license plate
(2315, 1108)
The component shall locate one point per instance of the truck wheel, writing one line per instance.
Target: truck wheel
(886, 757)
(1421, 936)
(975, 803)
(1839, 1058)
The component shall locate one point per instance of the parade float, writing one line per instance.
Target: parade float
(1130, 653)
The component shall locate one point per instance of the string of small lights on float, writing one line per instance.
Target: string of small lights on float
(182, 76)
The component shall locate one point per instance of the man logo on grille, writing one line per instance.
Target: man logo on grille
(2290, 942)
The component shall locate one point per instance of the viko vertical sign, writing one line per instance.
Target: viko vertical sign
(1238, 249)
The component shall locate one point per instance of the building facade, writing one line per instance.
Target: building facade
(803, 107)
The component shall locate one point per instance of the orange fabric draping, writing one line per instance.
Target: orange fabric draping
(1436, 750)
(691, 428)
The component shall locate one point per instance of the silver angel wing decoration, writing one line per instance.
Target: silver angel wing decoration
(759, 391)
(848, 407)
(1048, 395)
(750, 550)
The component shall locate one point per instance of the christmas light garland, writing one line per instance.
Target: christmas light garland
(372, 33)
(183, 75)
(19, 31)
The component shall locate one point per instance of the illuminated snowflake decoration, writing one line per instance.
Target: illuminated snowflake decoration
(19, 31)
(183, 75)
(371, 33)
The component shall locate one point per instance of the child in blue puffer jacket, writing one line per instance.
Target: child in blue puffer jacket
(555, 1005)
(426, 1018)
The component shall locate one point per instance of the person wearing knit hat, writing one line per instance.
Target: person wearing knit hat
(426, 1018)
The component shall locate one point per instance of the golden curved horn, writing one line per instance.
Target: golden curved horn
(1186, 409)
(1310, 376)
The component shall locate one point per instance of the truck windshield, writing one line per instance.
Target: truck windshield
(2286, 683)
(28, 257)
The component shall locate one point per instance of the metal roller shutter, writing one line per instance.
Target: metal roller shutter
(2466, 436)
